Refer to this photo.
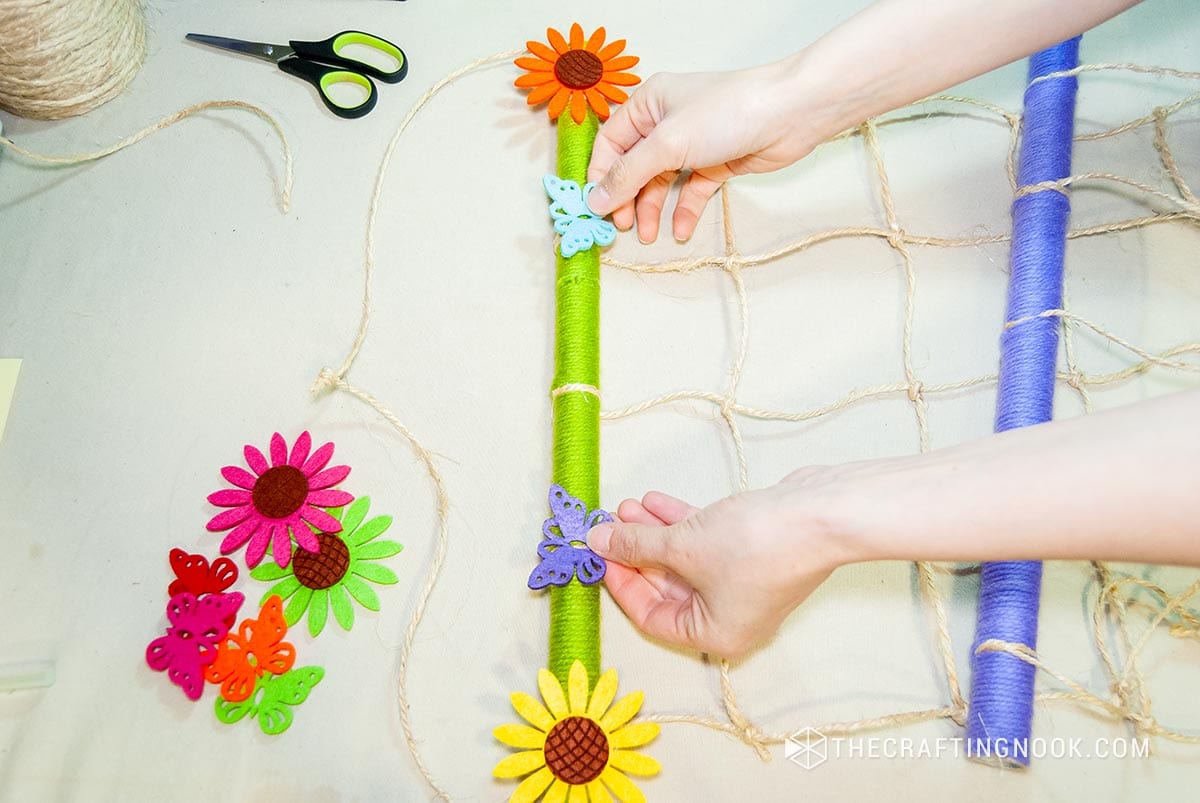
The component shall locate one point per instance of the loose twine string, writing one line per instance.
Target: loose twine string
(285, 192)
(334, 380)
(60, 58)
(1126, 698)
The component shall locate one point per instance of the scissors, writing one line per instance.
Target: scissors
(308, 60)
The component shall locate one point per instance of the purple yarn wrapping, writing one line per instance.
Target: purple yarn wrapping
(1001, 706)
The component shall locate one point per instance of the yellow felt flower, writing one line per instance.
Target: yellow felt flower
(578, 747)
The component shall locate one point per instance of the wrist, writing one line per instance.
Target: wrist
(864, 511)
(818, 103)
(821, 504)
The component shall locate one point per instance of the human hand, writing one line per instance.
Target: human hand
(719, 125)
(721, 579)
(724, 124)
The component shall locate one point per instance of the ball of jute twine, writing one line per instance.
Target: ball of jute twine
(60, 58)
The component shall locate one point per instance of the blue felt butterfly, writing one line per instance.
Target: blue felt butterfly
(579, 226)
(564, 550)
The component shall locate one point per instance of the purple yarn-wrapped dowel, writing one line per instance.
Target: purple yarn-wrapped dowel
(1001, 705)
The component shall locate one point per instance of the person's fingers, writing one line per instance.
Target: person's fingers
(633, 511)
(667, 508)
(618, 134)
(666, 584)
(657, 616)
(623, 217)
(693, 197)
(636, 545)
(670, 585)
(604, 152)
(631, 171)
(630, 122)
(650, 203)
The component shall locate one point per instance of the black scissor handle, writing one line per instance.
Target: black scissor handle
(323, 78)
(330, 52)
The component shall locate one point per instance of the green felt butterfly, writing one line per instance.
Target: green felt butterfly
(273, 698)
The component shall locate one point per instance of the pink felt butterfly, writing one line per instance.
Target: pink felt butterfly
(197, 626)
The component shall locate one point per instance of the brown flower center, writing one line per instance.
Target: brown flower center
(280, 492)
(576, 750)
(579, 69)
(323, 568)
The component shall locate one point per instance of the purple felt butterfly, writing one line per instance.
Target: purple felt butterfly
(564, 550)
(197, 627)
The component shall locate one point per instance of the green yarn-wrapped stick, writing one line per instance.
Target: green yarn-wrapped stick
(575, 608)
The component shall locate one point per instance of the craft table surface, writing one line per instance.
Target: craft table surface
(167, 312)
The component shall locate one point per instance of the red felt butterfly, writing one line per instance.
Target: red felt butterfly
(195, 576)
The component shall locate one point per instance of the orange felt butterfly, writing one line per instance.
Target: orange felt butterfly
(255, 649)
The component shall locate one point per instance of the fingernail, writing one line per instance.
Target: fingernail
(599, 537)
(598, 199)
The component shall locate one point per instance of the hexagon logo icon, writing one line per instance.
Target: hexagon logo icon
(806, 748)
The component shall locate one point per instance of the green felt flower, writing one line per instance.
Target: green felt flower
(314, 582)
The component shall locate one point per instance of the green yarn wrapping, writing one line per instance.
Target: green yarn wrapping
(575, 608)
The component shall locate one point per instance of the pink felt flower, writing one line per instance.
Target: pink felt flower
(271, 506)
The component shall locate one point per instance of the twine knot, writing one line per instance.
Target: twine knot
(325, 381)
(754, 737)
(895, 237)
(1144, 723)
(726, 410)
(914, 391)
(1123, 689)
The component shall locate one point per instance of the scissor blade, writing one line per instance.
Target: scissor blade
(260, 50)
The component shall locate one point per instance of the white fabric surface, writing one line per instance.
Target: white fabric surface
(167, 313)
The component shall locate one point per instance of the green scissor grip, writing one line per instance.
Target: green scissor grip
(324, 77)
(330, 52)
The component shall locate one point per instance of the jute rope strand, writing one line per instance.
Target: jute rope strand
(373, 210)
(330, 380)
(914, 390)
(732, 266)
(285, 191)
(60, 58)
(327, 380)
(575, 387)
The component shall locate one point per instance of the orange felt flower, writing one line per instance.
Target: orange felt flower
(577, 73)
(255, 649)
